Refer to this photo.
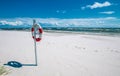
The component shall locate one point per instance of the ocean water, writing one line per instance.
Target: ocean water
(76, 29)
(81, 30)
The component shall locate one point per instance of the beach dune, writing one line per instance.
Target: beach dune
(61, 54)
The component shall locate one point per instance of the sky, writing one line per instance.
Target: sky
(59, 8)
(79, 12)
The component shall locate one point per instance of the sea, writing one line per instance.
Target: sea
(81, 30)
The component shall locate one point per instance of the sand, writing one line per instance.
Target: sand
(61, 54)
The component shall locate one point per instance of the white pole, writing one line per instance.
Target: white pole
(35, 47)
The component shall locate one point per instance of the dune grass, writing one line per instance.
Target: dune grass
(4, 71)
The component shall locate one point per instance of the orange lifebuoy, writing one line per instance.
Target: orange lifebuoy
(37, 32)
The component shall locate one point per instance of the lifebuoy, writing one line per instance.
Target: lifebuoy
(37, 32)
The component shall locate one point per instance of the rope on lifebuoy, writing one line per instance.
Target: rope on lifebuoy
(37, 33)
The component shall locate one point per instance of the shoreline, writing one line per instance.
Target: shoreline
(113, 34)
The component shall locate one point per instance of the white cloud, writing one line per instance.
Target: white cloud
(81, 22)
(78, 22)
(113, 18)
(97, 5)
(83, 8)
(107, 12)
(14, 23)
(57, 11)
(61, 11)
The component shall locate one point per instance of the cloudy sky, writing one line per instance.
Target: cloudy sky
(65, 12)
(60, 8)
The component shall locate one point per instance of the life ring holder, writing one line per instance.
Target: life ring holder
(36, 32)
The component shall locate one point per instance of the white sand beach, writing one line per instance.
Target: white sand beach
(61, 54)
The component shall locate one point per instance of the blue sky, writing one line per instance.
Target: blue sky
(59, 8)
(92, 13)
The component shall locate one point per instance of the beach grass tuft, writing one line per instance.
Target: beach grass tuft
(4, 71)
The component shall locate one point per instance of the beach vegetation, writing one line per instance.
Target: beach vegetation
(4, 71)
